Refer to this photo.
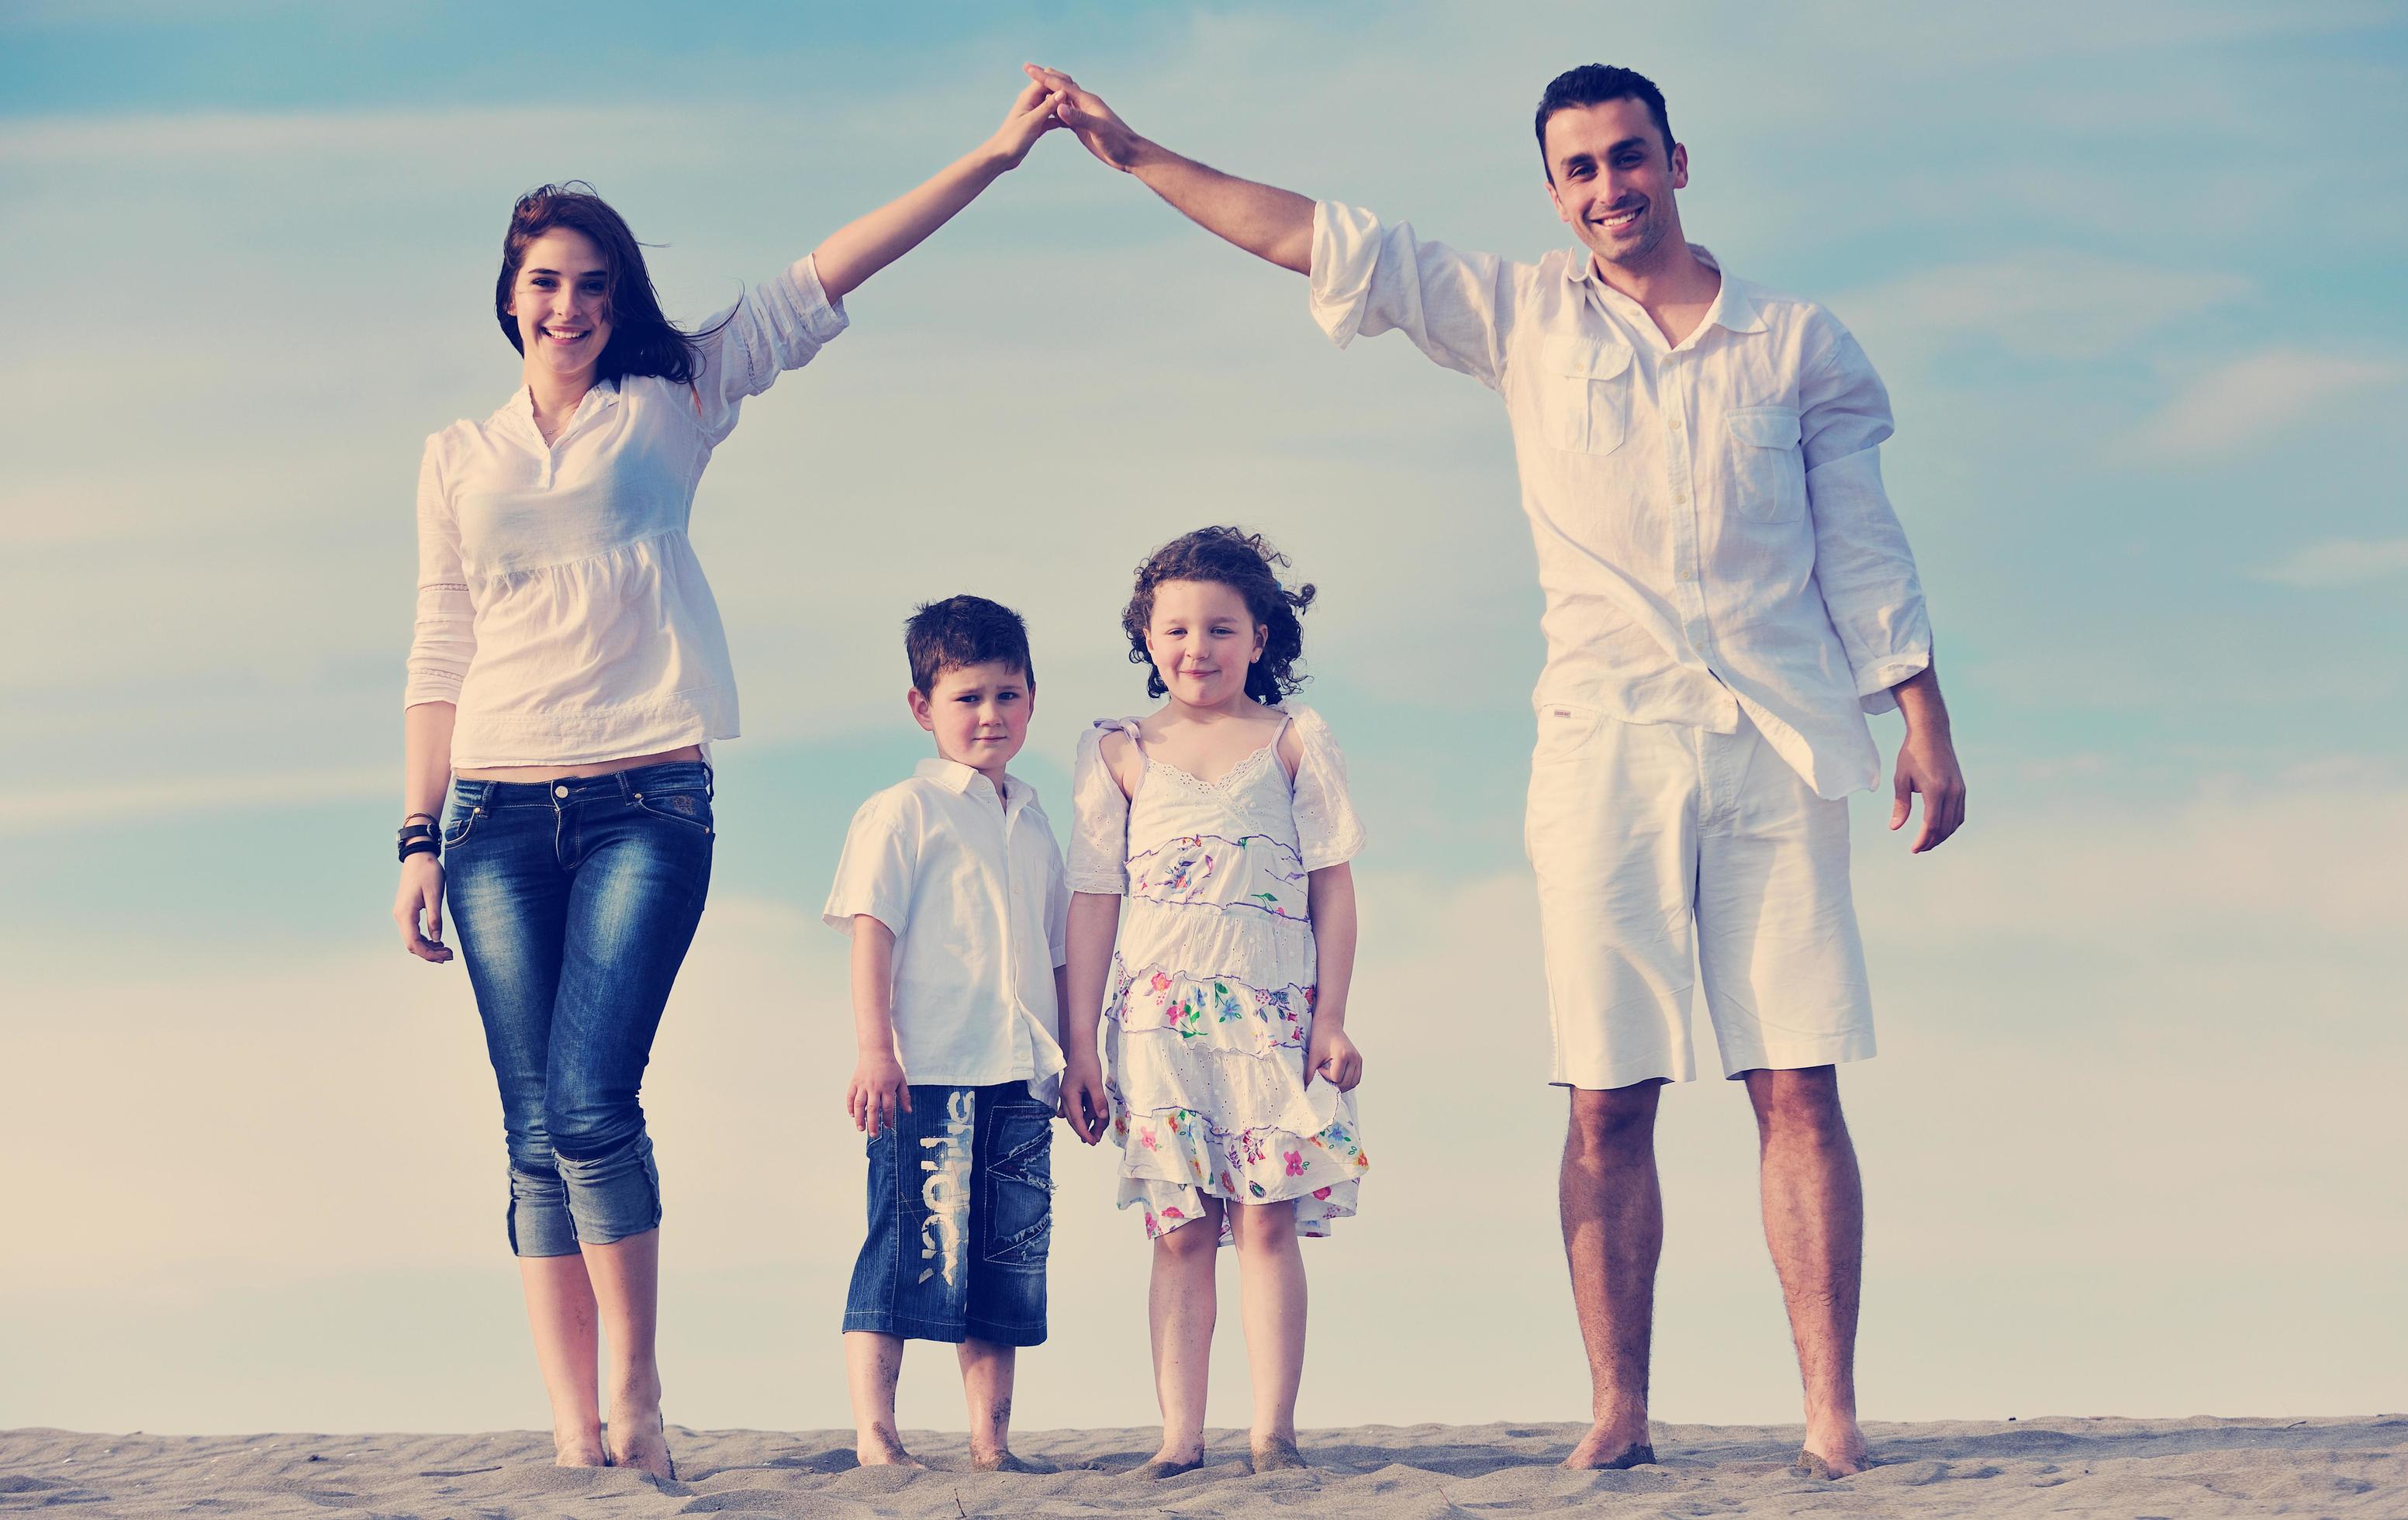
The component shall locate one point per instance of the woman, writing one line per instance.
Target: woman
(567, 670)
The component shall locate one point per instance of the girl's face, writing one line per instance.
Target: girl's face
(1202, 639)
(558, 299)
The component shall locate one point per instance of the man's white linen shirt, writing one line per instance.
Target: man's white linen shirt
(1712, 534)
(975, 894)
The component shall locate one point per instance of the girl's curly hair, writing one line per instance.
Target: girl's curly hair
(1247, 565)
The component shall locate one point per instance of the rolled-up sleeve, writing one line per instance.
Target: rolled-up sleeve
(444, 640)
(1368, 279)
(779, 325)
(1861, 558)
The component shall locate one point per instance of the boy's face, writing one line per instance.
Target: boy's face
(978, 713)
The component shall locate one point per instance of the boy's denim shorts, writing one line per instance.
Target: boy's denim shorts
(961, 1216)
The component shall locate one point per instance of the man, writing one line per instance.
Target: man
(1727, 593)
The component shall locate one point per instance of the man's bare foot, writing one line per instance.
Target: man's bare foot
(1812, 1463)
(641, 1441)
(1612, 1447)
(880, 1447)
(1276, 1453)
(578, 1449)
(1002, 1461)
(1171, 1461)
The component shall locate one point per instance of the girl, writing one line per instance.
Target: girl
(1227, 1077)
(568, 671)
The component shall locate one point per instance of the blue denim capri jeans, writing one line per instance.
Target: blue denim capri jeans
(574, 901)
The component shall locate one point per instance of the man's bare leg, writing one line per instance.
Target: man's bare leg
(1613, 1235)
(1814, 1222)
(872, 1363)
(987, 1368)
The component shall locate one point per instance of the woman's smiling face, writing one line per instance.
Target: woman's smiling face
(561, 299)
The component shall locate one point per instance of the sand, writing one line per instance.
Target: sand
(2109, 1467)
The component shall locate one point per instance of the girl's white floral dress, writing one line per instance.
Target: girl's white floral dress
(1209, 1005)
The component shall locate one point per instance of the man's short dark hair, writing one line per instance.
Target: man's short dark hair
(962, 631)
(1594, 84)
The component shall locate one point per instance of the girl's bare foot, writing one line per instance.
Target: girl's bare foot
(1171, 1461)
(1610, 1446)
(579, 1448)
(880, 1447)
(1276, 1453)
(1002, 1460)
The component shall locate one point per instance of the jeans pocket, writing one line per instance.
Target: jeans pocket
(1020, 1187)
(691, 808)
(460, 819)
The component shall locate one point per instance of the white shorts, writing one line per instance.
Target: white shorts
(1664, 852)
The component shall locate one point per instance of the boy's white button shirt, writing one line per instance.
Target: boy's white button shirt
(1712, 530)
(975, 894)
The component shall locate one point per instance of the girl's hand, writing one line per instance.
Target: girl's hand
(1083, 1099)
(1334, 1057)
(876, 1091)
(1031, 118)
(422, 892)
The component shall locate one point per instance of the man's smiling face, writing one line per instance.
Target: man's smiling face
(1612, 176)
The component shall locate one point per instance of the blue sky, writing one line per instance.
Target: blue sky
(2130, 273)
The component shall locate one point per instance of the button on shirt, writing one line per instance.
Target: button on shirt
(559, 605)
(1713, 535)
(974, 892)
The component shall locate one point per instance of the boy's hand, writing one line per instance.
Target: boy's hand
(1333, 1056)
(1083, 1099)
(1031, 118)
(875, 1092)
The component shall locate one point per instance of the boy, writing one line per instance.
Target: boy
(951, 887)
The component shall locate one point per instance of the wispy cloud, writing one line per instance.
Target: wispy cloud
(2039, 303)
(45, 809)
(2340, 562)
(2247, 401)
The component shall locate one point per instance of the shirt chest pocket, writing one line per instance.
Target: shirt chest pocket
(1583, 394)
(1768, 471)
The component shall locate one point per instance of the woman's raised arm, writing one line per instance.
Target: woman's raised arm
(870, 243)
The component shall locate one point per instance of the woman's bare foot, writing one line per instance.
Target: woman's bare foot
(1612, 1447)
(581, 1447)
(880, 1447)
(641, 1441)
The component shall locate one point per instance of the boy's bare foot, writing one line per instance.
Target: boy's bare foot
(880, 1447)
(578, 1449)
(1002, 1461)
(641, 1441)
(1610, 1447)
(1170, 1462)
(1276, 1453)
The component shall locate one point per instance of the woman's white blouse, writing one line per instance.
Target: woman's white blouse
(559, 605)
(1328, 831)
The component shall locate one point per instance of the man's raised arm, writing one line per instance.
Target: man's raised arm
(1267, 221)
